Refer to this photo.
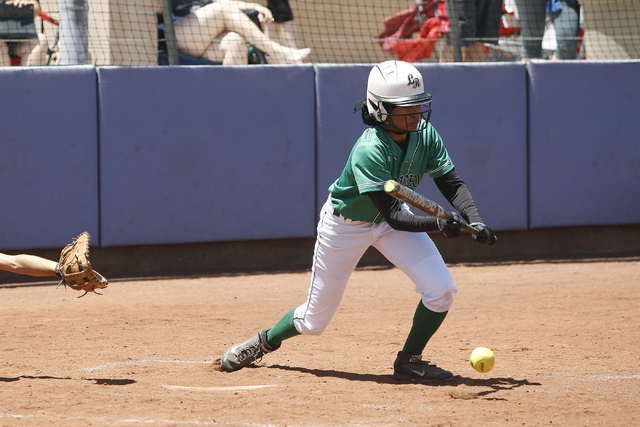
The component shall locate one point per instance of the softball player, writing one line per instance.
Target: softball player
(400, 144)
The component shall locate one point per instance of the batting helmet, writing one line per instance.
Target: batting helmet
(397, 83)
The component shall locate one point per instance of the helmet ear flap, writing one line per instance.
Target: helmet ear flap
(377, 110)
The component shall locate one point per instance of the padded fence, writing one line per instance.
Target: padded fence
(480, 112)
(200, 154)
(584, 138)
(193, 154)
(48, 156)
(142, 33)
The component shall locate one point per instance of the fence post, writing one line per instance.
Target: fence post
(454, 30)
(74, 32)
(169, 32)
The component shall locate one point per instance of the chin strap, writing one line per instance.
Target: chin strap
(397, 132)
(401, 131)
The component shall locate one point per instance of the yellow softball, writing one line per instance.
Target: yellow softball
(482, 359)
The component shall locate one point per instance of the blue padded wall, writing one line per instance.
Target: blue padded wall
(478, 109)
(194, 154)
(585, 143)
(338, 88)
(48, 156)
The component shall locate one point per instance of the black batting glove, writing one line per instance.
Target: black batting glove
(486, 234)
(450, 228)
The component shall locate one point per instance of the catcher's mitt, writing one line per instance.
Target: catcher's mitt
(75, 269)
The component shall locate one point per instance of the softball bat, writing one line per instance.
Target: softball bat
(420, 202)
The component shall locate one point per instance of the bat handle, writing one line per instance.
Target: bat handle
(475, 232)
(465, 226)
(470, 229)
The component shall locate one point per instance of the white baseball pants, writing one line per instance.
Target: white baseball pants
(341, 243)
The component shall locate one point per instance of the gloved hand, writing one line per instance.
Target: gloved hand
(486, 234)
(450, 228)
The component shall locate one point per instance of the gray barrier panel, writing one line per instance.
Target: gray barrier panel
(48, 156)
(585, 143)
(480, 112)
(194, 154)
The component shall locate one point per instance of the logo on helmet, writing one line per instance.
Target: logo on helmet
(413, 81)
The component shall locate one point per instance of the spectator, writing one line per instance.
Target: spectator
(31, 49)
(478, 22)
(565, 16)
(219, 31)
(396, 38)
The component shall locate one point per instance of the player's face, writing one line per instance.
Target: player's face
(406, 118)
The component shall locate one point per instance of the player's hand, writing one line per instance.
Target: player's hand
(450, 228)
(486, 234)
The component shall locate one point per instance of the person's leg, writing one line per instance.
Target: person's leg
(282, 29)
(339, 246)
(567, 25)
(488, 18)
(235, 50)
(465, 30)
(29, 265)
(213, 52)
(417, 256)
(474, 53)
(196, 31)
(33, 51)
(532, 15)
(5, 59)
(284, 33)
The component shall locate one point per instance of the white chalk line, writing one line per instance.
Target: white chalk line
(142, 362)
(597, 377)
(230, 388)
(129, 420)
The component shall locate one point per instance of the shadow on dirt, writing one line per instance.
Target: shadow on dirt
(99, 381)
(495, 384)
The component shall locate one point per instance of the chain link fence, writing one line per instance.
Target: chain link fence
(171, 32)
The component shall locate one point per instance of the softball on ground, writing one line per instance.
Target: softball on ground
(482, 359)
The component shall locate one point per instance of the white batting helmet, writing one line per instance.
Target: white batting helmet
(395, 82)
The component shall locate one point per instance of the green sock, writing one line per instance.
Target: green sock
(425, 324)
(283, 330)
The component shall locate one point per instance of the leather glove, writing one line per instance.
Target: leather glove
(486, 234)
(450, 228)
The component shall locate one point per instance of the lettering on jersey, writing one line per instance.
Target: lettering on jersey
(411, 180)
(415, 82)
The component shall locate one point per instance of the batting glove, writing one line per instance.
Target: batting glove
(486, 234)
(450, 228)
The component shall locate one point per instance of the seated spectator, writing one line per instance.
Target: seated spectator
(219, 31)
(32, 50)
(396, 39)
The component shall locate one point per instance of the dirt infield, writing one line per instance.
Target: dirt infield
(566, 337)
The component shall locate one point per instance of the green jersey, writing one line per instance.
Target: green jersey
(376, 158)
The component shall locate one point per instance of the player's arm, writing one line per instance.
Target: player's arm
(457, 193)
(398, 219)
(27, 264)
